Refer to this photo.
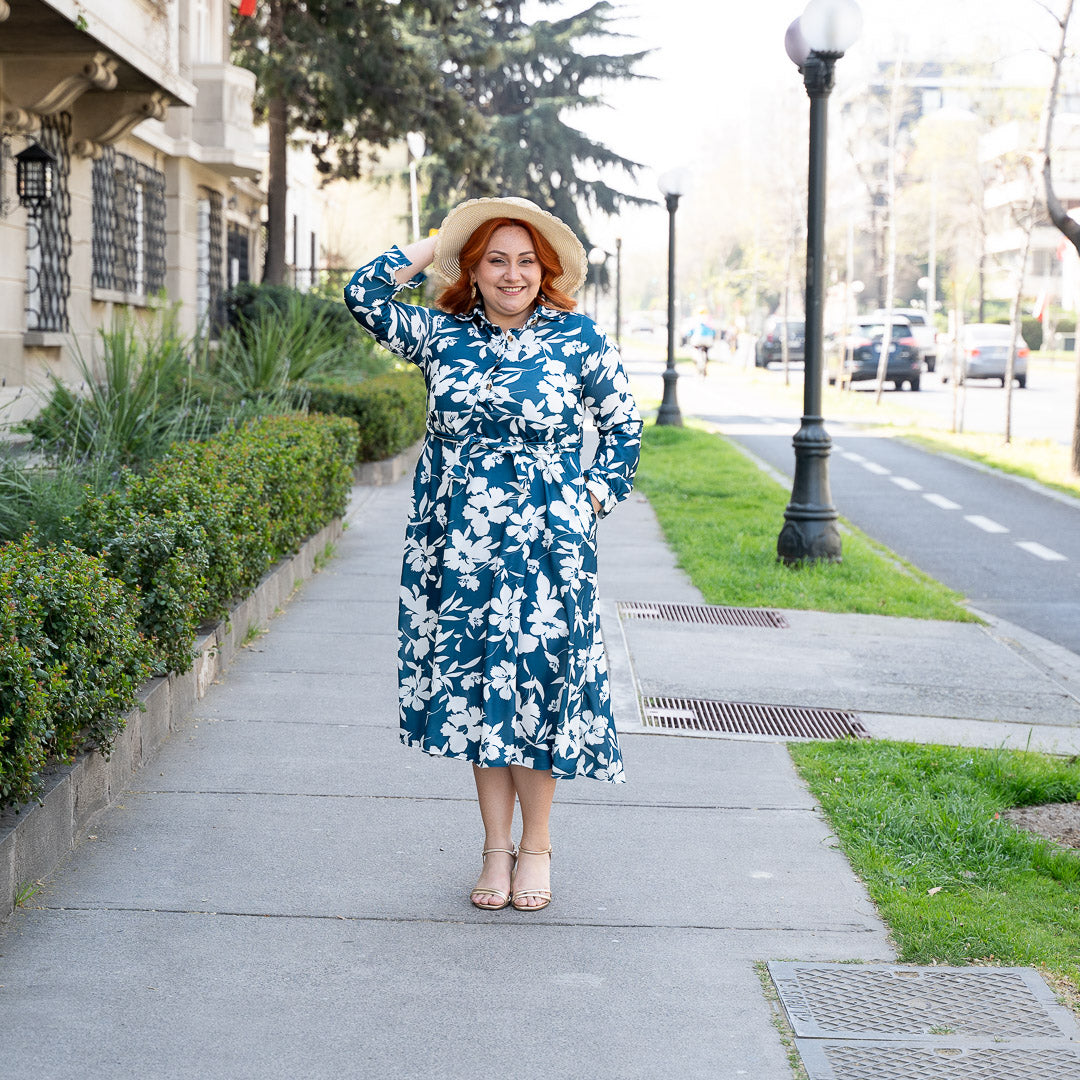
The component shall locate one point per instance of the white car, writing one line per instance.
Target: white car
(922, 329)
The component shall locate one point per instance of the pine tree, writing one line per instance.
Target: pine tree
(353, 74)
(522, 78)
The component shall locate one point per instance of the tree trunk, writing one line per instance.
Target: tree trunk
(277, 188)
(1074, 457)
(1069, 227)
(277, 179)
(1015, 320)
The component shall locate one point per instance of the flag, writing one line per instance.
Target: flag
(247, 7)
(1041, 304)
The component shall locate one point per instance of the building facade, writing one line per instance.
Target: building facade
(156, 199)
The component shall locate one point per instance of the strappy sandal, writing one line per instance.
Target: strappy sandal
(506, 897)
(544, 894)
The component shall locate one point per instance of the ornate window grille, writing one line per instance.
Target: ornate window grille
(210, 281)
(129, 224)
(48, 238)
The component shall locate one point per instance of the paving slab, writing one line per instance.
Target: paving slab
(330, 998)
(859, 662)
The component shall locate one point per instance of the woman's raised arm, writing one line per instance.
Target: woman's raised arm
(419, 255)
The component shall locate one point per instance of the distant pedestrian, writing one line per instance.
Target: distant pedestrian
(500, 659)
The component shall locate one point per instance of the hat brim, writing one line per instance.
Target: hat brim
(466, 218)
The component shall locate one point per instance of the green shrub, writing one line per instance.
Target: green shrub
(391, 410)
(1065, 325)
(1031, 330)
(307, 322)
(79, 625)
(24, 710)
(162, 558)
(205, 522)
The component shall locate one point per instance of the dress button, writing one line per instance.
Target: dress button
(489, 386)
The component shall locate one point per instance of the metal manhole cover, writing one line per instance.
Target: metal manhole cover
(829, 1001)
(749, 718)
(946, 1061)
(704, 614)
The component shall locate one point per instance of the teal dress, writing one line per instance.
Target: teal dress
(500, 659)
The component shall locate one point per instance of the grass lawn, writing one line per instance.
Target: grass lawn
(956, 883)
(722, 516)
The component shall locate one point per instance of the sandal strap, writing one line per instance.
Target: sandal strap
(489, 892)
(491, 851)
(544, 894)
(527, 851)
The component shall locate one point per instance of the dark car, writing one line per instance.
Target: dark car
(862, 348)
(770, 344)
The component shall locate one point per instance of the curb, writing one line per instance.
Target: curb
(34, 840)
(389, 470)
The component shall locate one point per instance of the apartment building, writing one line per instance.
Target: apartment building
(156, 196)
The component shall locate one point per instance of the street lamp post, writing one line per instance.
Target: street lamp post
(815, 41)
(417, 146)
(672, 186)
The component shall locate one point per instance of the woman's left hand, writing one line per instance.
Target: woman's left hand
(595, 503)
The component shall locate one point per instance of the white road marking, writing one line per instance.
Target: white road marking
(852, 456)
(906, 484)
(941, 501)
(985, 524)
(1037, 549)
(875, 468)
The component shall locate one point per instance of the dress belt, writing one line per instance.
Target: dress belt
(524, 455)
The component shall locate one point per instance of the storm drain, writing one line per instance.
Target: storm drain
(704, 614)
(748, 718)
(886, 1022)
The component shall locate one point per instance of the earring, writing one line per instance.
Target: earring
(474, 291)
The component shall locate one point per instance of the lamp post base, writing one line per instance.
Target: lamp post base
(810, 533)
(669, 414)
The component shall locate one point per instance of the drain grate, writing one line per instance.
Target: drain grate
(891, 1022)
(947, 1061)
(826, 1001)
(747, 718)
(704, 614)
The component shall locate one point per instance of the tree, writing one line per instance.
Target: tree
(521, 78)
(1067, 225)
(352, 74)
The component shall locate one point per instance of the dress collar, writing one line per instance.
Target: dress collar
(478, 316)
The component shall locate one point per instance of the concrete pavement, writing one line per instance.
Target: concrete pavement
(284, 890)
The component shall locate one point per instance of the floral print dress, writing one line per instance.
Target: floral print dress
(500, 658)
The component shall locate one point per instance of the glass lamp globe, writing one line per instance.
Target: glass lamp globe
(831, 27)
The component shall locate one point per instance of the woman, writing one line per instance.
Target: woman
(501, 662)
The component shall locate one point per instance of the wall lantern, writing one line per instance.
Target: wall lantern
(35, 177)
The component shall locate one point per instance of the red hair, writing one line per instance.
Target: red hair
(460, 298)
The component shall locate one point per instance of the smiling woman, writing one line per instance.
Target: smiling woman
(501, 661)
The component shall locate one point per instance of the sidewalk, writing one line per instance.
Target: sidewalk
(284, 891)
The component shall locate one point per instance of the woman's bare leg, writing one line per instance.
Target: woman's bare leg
(535, 791)
(495, 792)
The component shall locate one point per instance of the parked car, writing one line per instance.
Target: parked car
(862, 348)
(922, 327)
(770, 344)
(983, 353)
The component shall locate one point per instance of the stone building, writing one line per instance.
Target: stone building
(156, 197)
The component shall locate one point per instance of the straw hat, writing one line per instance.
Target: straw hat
(464, 220)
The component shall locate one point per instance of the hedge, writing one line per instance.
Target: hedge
(391, 410)
(71, 660)
(206, 521)
(82, 626)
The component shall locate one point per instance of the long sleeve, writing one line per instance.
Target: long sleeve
(404, 329)
(610, 477)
